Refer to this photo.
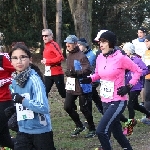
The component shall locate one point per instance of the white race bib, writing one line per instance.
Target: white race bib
(107, 89)
(70, 84)
(23, 112)
(47, 71)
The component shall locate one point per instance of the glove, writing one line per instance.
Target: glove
(17, 98)
(87, 80)
(70, 73)
(123, 90)
(148, 67)
(10, 111)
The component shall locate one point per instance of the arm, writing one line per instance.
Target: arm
(143, 66)
(5, 81)
(57, 52)
(39, 102)
(7, 65)
(127, 63)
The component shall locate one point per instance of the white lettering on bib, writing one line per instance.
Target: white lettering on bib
(23, 112)
(70, 84)
(107, 89)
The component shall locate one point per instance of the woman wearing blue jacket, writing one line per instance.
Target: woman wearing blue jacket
(35, 129)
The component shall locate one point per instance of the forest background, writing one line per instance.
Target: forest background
(23, 20)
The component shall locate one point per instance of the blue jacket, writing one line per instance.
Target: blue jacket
(37, 102)
(129, 74)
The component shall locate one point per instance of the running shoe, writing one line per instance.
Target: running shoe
(77, 131)
(128, 129)
(91, 134)
(145, 120)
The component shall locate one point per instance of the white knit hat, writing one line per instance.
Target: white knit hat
(130, 47)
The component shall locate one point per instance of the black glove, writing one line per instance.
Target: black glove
(17, 98)
(123, 90)
(71, 73)
(148, 67)
(87, 80)
(10, 111)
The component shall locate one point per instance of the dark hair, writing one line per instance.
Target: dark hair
(36, 68)
(22, 47)
(111, 45)
(14, 43)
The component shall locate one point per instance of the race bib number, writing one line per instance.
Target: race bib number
(70, 84)
(47, 71)
(107, 89)
(23, 112)
(147, 62)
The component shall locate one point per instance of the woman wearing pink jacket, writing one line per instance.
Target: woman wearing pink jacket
(110, 69)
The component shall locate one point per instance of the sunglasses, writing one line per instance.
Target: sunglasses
(45, 35)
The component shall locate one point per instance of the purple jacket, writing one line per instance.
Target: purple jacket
(129, 74)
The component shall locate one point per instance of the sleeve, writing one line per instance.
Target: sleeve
(7, 65)
(5, 81)
(39, 102)
(127, 63)
(85, 68)
(143, 66)
(59, 56)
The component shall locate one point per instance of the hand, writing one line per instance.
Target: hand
(43, 61)
(10, 111)
(70, 73)
(87, 80)
(17, 98)
(123, 90)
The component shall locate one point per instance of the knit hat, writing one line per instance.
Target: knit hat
(142, 29)
(130, 47)
(147, 37)
(99, 34)
(109, 36)
(71, 39)
(82, 41)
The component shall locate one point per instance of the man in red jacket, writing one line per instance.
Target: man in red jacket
(52, 57)
(6, 70)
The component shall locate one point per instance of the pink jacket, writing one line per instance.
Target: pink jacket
(112, 68)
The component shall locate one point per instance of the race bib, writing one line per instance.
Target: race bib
(70, 84)
(107, 89)
(47, 71)
(23, 112)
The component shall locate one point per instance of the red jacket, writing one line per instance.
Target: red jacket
(6, 70)
(53, 56)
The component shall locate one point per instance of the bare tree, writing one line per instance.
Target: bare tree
(45, 26)
(58, 21)
(81, 11)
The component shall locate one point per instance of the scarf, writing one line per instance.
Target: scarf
(21, 78)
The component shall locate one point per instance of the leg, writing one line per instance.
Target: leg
(69, 108)
(83, 102)
(23, 142)
(111, 121)
(133, 103)
(5, 138)
(44, 141)
(59, 81)
(147, 95)
(48, 81)
(97, 100)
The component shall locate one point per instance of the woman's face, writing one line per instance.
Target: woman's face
(20, 60)
(104, 46)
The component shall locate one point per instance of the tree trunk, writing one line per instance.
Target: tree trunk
(81, 11)
(45, 26)
(58, 21)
